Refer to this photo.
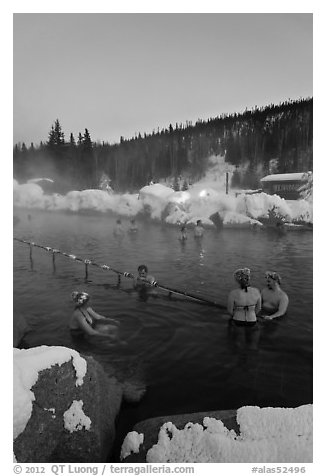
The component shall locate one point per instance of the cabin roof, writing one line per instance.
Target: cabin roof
(35, 180)
(283, 177)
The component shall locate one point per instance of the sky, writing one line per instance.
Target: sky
(120, 74)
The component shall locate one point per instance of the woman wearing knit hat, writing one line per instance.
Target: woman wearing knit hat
(85, 320)
(244, 303)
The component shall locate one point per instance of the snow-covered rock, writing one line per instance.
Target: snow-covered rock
(236, 220)
(248, 435)
(131, 444)
(29, 195)
(156, 190)
(154, 199)
(258, 205)
(56, 391)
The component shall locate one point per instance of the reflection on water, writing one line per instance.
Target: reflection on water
(186, 352)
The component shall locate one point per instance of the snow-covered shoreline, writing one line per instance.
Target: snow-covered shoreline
(158, 202)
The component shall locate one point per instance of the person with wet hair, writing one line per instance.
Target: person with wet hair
(133, 228)
(244, 303)
(274, 300)
(143, 279)
(198, 230)
(85, 320)
(118, 230)
(183, 233)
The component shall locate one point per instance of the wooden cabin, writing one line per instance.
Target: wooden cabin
(284, 185)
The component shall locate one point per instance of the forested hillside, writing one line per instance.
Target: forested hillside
(273, 139)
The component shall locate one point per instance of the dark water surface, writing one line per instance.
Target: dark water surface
(184, 352)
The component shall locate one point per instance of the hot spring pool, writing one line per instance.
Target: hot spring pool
(183, 351)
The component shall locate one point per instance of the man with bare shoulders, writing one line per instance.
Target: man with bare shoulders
(274, 300)
(143, 278)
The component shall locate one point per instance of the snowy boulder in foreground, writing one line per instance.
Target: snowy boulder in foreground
(64, 407)
(246, 435)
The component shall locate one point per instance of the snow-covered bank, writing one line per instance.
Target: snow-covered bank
(159, 201)
(266, 435)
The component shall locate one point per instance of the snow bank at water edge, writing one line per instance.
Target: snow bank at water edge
(159, 202)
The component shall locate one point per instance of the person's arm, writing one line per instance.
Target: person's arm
(150, 279)
(258, 305)
(231, 304)
(261, 313)
(99, 317)
(83, 324)
(282, 308)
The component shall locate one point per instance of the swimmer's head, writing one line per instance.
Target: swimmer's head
(142, 270)
(79, 297)
(242, 276)
(271, 277)
(198, 222)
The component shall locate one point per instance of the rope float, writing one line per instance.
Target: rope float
(106, 267)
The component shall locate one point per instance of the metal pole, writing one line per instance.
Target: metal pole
(227, 183)
(31, 256)
(53, 261)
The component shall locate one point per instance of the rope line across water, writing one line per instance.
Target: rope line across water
(126, 274)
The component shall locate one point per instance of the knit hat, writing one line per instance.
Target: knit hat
(275, 276)
(242, 276)
(79, 297)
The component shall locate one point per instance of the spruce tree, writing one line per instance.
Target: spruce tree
(87, 161)
(80, 140)
(87, 143)
(51, 140)
(59, 135)
(56, 136)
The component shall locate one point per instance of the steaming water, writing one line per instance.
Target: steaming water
(184, 352)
